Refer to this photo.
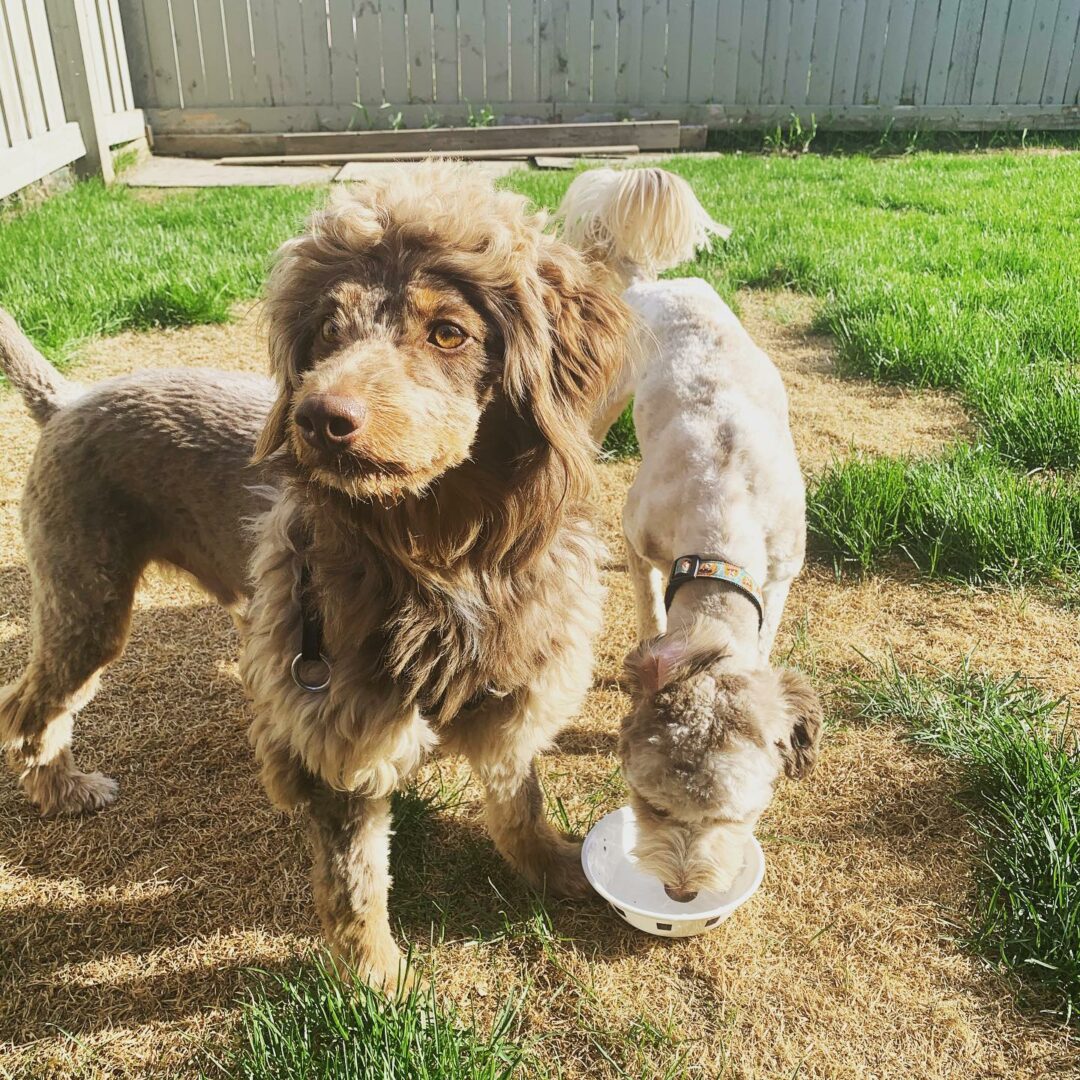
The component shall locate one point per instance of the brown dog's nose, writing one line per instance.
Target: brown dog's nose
(680, 896)
(329, 421)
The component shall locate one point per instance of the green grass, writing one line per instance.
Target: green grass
(97, 261)
(310, 1025)
(965, 515)
(934, 270)
(1023, 769)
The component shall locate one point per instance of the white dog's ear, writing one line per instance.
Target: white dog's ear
(801, 752)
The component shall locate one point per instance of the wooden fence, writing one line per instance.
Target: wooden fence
(65, 92)
(295, 65)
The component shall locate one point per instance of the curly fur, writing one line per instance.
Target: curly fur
(450, 547)
(713, 725)
(151, 467)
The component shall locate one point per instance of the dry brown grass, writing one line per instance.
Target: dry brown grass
(131, 931)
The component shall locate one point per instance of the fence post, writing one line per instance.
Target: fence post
(79, 86)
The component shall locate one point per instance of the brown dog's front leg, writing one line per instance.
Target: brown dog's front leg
(350, 835)
(514, 811)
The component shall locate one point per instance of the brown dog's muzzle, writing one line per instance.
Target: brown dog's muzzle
(329, 422)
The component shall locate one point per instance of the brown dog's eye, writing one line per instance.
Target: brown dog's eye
(329, 330)
(448, 336)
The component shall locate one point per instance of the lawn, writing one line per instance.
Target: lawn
(919, 916)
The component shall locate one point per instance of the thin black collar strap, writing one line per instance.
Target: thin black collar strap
(310, 659)
(717, 568)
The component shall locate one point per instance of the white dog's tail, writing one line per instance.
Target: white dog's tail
(637, 221)
(43, 388)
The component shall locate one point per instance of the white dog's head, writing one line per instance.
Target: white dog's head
(701, 752)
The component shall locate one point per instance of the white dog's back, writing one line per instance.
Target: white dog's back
(711, 416)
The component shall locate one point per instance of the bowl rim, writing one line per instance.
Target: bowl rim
(667, 916)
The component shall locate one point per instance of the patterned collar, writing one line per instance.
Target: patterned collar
(688, 567)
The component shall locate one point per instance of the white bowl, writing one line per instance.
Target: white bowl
(639, 898)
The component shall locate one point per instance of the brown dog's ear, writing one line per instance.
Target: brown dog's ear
(275, 431)
(652, 665)
(800, 754)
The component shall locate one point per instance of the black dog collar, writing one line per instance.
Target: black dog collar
(717, 568)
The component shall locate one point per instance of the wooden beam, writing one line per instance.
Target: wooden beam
(26, 162)
(72, 39)
(406, 155)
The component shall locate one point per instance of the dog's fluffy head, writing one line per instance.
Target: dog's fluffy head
(701, 752)
(451, 325)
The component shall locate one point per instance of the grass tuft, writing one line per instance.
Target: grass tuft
(965, 515)
(97, 260)
(1023, 765)
(311, 1025)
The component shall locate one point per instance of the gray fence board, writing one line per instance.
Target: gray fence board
(777, 31)
(800, 47)
(419, 35)
(470, 51)
(497, 58)
(823, 54)
(901, 14)
(605, 49)
(25, 70)
(45, 62)
(1037, 56)
(1061, 53)
(731, 61)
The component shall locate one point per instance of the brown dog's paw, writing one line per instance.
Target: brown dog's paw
(554, 868)
(55, 792)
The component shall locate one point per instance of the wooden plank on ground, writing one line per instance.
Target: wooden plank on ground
(407, 155)
(216, 146)
(648, 135)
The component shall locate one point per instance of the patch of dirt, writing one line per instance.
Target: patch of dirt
(133, 930)
(830, 415)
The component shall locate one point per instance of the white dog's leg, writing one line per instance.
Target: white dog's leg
(648, 585)
(776, 594)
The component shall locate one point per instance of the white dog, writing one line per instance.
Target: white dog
(719, 505)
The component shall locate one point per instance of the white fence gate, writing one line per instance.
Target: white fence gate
(65, 93)
(303, 65)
